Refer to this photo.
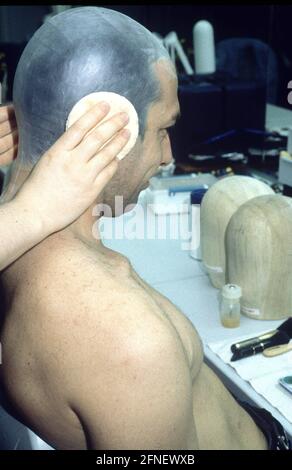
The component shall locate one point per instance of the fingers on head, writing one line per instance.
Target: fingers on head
(112, 148)
(80, 127)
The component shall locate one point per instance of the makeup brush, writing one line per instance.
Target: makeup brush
(257, 345)
(286, 327)
(271, 338)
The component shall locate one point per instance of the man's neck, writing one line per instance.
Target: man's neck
(86, 228)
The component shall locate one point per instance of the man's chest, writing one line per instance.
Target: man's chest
(178, 321)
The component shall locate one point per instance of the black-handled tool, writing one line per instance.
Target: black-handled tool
(257, 345)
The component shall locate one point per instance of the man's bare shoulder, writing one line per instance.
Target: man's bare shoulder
(93, 299)
(67, 275)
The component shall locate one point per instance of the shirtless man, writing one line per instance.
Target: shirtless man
(93, 357)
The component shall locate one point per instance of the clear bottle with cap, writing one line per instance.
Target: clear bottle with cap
(194, 221)
(230, 305)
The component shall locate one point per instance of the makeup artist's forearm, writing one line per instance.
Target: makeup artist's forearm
(19, 231)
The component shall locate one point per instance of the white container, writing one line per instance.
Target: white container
(195, 221)
(170, 195)
(195, 251)
(204, 49)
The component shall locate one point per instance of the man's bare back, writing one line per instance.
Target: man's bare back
(79, 327)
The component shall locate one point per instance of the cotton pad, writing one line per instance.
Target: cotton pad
(117, 104)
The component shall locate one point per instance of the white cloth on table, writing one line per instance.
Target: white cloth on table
(261, 372)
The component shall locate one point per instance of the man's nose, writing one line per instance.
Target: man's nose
(167, 156)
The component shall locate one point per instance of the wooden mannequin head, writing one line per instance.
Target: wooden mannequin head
(258, 247)
(218, 205)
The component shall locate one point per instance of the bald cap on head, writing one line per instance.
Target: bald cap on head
(78, 52)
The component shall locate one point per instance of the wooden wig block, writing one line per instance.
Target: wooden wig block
(218, 205)
(258, 247)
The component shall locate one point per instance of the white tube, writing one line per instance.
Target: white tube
(204, 49)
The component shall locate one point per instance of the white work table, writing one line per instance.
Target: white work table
(169, 269)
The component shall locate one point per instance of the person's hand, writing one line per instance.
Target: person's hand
(72, 173)
(8, 135)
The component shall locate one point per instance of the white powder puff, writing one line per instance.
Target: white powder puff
(118, 104)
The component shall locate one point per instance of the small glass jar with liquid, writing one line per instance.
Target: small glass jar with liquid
(230, 305)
